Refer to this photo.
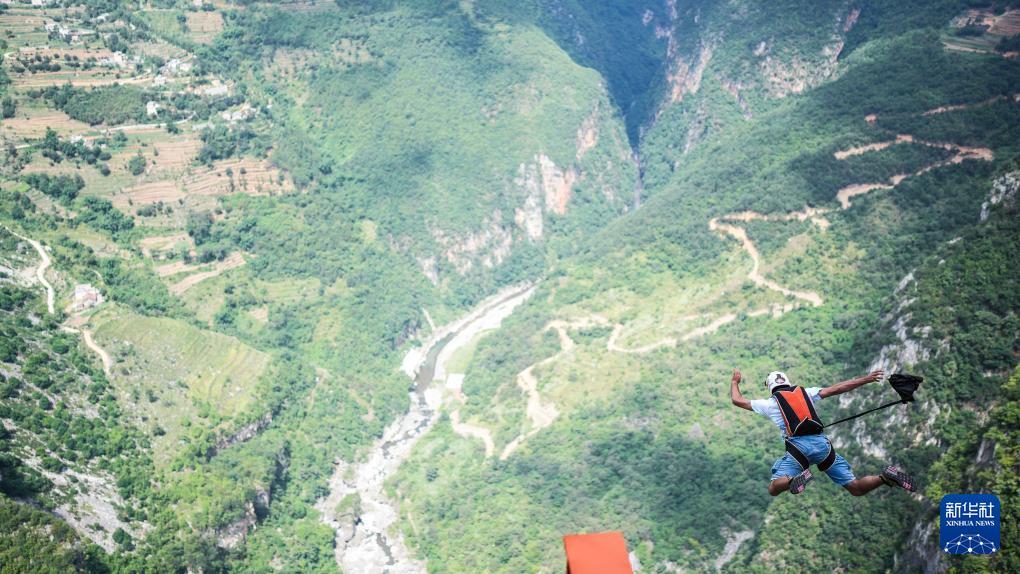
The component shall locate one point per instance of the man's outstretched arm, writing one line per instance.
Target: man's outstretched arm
(840, 388)
(735, 396)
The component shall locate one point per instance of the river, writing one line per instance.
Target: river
(368, 540)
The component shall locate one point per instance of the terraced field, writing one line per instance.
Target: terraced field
(31, 122)
(169, 371)
(204, 26)
(288, 291)
(238, 175)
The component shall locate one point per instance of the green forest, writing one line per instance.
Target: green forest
(424, 286)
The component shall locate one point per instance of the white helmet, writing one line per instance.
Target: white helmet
(777, 379)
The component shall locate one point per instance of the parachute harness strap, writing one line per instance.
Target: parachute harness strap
(803, 461)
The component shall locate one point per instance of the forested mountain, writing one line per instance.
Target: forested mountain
(387, 286)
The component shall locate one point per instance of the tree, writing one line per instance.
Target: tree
(199, 226)
(137, 164)
(7, 108)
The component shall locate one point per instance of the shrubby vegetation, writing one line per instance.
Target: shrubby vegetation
(53, 148)
(7, 108)
(101, 214)
(221, 142)
(110, 105)
(63, 188)
(426, 132)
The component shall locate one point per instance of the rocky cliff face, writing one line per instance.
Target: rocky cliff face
(709, 42)
(542, 188)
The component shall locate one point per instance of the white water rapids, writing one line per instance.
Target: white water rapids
(369, 541)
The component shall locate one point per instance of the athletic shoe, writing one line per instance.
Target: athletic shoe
(799, 482)
(894, 476)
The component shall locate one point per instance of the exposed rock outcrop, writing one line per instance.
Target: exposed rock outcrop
(556, 184)
(243, 434)
(488, 245)
(1003, 191)
(256, 508)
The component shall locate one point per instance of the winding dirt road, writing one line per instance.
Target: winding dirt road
(467, 430)
(40, 272)
(542, 414)
(843, 196)
(86, 335)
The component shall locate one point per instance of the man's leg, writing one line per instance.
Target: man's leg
(841, 473)
(780, 485)
(785, 471)
(864, 485)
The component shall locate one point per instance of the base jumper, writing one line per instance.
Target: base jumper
(792, 409)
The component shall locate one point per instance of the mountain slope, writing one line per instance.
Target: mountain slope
(257, 254)
(663, 306)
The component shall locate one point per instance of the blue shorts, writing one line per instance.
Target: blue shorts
(815, 448)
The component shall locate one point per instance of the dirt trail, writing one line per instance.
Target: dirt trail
(542, 414)
(614, 347)
(454, 381)
(741, 235)
(900, 139)
(233, 261)
(366, 540)
(958, 107)
(962, 153)
(843, 196)
(103, 355)
(40, 272)
(86, 336)
(473, 431)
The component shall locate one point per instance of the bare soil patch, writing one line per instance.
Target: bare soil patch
(204, 26)
(77, 79)
(146, 193)
(156, 244)
(175, 268)
(32, 123)
(238, 176)
(19, 22)
(175, 154)
(1008, 24)
(233, 261)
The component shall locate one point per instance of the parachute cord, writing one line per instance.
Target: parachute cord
(866, 412)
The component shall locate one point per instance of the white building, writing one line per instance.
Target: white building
(218, 90)
(85, 296)
(115, 60)
(245, 113)
(176, 67)
(151, 108)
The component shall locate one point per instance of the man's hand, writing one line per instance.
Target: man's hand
(874, 376)
(735, 397)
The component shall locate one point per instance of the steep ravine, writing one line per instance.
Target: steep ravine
(357, 507)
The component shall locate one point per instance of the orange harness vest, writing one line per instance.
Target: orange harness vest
(801, 420)
(798, 412)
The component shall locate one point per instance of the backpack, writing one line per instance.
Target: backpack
(798, 412)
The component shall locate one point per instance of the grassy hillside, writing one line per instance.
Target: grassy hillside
(278, 200)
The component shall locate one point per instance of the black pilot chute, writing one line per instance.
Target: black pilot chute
(905, 386)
